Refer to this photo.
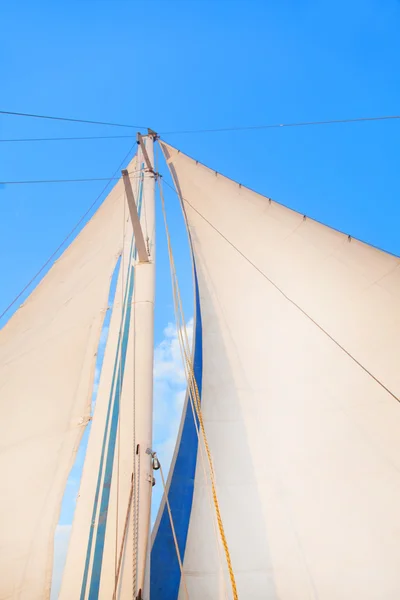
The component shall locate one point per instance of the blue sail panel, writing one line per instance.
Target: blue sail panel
(165, 575)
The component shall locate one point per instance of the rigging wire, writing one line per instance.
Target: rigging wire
(68, 236)
(279, 125)
(33, 181)
(64, 139)
(181, 131)
(353, 358)
(71, 120)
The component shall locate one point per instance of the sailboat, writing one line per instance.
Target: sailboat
(285, 480)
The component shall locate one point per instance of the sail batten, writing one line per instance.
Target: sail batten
(301, 334)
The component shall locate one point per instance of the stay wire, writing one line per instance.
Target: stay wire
(69, 119)
(67, 139)
(67, 237)
(33, 181)
(181, 131)
(376, 379)
(279, 125)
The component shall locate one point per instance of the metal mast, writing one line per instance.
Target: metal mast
(144, 290)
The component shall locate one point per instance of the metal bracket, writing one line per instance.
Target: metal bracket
(153, 134)
(137, 228)
(144, 152)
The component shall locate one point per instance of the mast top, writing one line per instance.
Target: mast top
(153, 136)
(152, 133)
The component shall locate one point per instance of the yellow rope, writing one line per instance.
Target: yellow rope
(180, 321)
(190, 381)
(195, 396)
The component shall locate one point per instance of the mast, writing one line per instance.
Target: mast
(143, 367)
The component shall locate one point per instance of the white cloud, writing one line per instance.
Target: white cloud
(169, 397)
(167, 356)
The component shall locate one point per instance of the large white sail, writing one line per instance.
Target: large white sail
(299, 339)
(47, 359)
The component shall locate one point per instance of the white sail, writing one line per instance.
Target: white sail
(47, 359)
(300, 386)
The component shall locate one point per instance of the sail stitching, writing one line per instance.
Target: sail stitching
(376, 379)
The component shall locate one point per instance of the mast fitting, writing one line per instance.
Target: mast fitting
(137, 228)
(152, 134)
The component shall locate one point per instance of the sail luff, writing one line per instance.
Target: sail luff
(304, 438)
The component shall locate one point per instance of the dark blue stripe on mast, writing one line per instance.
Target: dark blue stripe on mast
(109, 433)
(165, 575)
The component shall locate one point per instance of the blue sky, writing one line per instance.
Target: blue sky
(175, 65)
(182, 65)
